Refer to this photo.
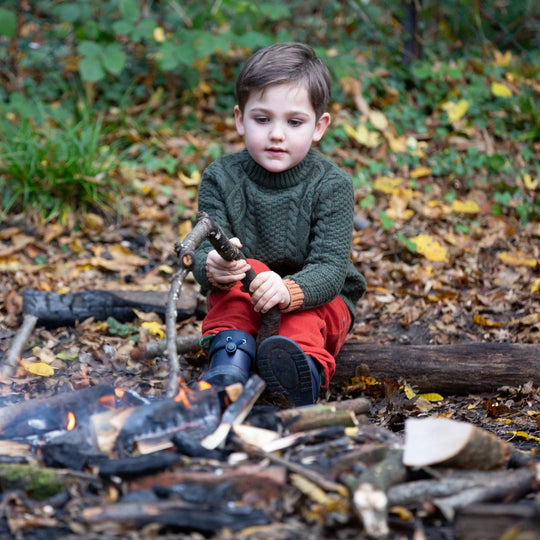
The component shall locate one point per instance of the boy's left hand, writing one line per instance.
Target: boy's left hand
(268, 290)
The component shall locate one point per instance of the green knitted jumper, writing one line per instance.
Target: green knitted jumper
(298, 222)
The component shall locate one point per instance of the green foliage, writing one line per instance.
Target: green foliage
(116, 54)
(54, 167)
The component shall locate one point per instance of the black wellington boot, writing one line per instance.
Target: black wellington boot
(231, 354)
(288, 371)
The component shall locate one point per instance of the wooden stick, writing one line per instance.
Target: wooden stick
(11, 362)
(236, 412)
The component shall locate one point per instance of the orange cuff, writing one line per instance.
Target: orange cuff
(296, 294)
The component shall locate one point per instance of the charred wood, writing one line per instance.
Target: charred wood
(492, 521)
(138, 465)
(177, 515)
(66, 309)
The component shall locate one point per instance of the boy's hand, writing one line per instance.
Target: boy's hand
(226, 272)
(268, 290)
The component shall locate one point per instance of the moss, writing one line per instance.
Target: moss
(37, 482)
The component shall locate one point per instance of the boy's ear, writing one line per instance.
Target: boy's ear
(239, 120)
(320, 127)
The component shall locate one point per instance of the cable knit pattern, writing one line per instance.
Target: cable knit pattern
(298, 222)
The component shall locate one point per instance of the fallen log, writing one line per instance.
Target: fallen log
(459, 368)
(55, 309)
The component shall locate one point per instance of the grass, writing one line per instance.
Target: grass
(56, 167)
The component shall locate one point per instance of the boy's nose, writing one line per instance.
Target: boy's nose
(277, 133)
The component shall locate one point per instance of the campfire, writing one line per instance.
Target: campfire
(216, 460)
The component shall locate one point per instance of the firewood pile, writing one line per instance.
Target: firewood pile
(209, 463)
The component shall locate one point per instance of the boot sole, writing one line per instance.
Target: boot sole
(283, 366)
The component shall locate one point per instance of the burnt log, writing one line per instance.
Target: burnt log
(459, 368)
(54, 309)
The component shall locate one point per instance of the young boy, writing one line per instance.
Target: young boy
(290, 210)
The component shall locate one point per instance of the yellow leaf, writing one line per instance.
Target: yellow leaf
(378, 120)
(524, 435)
(529, 183)
(398, 206)
(165, 268)
(397, 144)
(502, 59)
(190, 181)
(516, 258)
(93, 221)
(38, 368)
(387, 185)
(159, 34)
(430, 248)
(432, 396)
(465, 207)
(154, 328)
(420, 172)
(500, 90)
(409, 392)
(535, 287)
(456, 111)
(363, 135)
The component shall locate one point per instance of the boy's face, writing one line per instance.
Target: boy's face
(279, 125)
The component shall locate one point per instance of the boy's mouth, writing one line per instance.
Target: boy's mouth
(275, 150)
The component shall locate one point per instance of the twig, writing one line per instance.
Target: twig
(11, 362)
(205, 229)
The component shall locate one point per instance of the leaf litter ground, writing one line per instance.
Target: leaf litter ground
(479, 285)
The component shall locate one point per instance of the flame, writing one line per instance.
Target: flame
(71, 421)
(108, 402)
(203, 385)
(182, 397)
(119, 393)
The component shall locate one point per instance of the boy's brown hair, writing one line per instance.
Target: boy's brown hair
(285, 63)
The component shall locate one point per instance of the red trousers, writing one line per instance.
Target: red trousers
(320, 332)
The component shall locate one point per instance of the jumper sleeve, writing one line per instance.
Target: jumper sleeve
(211, 200)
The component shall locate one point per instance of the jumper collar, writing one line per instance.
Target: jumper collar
(289, 178)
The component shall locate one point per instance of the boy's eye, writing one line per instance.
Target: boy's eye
(261, 119)
(295, 123)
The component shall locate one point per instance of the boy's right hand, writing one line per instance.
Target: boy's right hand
(225, 272)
